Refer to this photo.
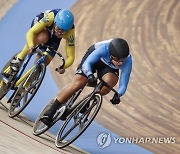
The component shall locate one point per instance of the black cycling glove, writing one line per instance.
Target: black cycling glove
(92, 81)
(116, 99)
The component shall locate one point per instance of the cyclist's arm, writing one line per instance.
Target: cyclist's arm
(125, 75)
(46, 21)
(70, 47)
(95, 56)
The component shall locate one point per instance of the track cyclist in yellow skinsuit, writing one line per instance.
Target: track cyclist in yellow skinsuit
(49, 28)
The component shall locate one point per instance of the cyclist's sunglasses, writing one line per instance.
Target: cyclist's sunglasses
(118, 60)
(60, 30)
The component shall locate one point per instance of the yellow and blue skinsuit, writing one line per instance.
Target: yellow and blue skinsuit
(46, 21)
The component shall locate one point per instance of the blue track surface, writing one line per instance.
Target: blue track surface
(13, 28)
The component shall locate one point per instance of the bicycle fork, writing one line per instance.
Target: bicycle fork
(91, 96)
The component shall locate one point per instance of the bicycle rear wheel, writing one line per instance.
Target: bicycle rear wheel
(4, 88)
(39, 127)
(77, 122)
(26, 91)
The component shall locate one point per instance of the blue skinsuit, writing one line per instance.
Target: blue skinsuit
(101, 52)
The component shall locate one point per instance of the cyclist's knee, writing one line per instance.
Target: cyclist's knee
(41, 37)
(104, 91)
(111, 79)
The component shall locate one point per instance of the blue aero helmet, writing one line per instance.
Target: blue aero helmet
(64, 20)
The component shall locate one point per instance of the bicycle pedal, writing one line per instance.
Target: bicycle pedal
(59, 112)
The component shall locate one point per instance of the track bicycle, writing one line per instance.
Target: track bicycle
(25, 85)
(78, 120)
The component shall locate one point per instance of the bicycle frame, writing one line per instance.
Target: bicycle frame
(96, 90)
(21, 79)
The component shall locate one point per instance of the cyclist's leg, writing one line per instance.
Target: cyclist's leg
(111, 79)
(17, 61)
(79, 82)
(41, 38)
(109, 75)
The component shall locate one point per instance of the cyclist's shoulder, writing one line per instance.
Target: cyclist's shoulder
(55, 11)
(102, 47)
(49, 16)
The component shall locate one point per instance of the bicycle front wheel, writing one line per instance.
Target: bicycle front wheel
(78, 122)
(26, 91)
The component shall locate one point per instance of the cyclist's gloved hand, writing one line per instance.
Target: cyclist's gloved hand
(60, 70)
(92, 81)
(116, 99)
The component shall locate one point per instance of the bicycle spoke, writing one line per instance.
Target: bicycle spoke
(25, 98)
(34, 84)
(69, 131)
(81, 126)
(87, 112)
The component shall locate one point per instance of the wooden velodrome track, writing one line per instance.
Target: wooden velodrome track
(151, 105)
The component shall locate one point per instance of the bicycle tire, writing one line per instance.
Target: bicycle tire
(36, 130)
(62, 144)
(15, 108)
(4, 88)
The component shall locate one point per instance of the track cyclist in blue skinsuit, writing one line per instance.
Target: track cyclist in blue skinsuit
(106, 58)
